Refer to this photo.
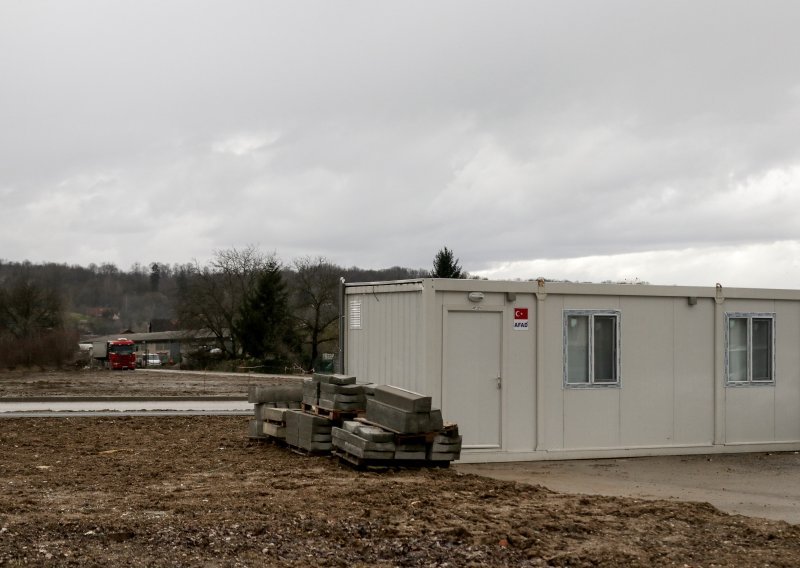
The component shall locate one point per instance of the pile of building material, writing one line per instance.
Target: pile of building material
(363, 424)
(271, 403)
(399, 427)
(334, 393)
(308, 432)
(403, 411)
(363, 441)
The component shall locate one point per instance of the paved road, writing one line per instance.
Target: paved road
(129, 407)
(763, 485)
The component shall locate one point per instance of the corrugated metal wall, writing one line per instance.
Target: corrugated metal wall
(387, 345)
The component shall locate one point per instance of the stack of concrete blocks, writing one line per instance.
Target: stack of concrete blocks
(363, 441)
(403, 411)
(308, 432)
(271, 403)
(419, 431)
(338, 393)
(446, 446)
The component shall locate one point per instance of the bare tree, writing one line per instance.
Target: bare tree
(27, 309)
(315, 303)
(31, 324)
(213, 295)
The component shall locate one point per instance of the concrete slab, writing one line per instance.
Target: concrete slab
(401, 421)
(274, 393)
(758, 485)
(402, 399)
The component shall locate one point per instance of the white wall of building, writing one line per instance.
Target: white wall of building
(672, 396)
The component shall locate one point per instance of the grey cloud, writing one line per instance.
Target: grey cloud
(506, 130)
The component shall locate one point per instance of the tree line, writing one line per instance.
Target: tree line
(255, 305)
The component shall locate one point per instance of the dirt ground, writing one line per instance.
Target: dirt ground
(141, 382)
(193, 491)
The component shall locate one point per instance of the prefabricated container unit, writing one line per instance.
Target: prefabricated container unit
(542, 370)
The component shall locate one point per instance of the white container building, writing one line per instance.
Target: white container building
(542, 370)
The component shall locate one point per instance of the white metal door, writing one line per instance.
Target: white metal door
(472, 378)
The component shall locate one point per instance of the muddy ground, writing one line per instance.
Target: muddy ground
(142, 382)
(193, 491)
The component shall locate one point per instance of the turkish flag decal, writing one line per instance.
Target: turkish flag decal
(520, 313)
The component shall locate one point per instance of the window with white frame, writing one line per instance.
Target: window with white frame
(591, 348)
(750, 348)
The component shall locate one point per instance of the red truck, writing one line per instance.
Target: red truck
(118, 354)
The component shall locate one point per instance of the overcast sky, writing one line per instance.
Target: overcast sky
(592, 140)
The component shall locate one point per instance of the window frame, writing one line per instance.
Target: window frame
(750, 316)
(591, 314)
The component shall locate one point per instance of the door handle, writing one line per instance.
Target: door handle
(499, 382)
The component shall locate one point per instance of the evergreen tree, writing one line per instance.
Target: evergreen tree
(264, 329)
(445, 265)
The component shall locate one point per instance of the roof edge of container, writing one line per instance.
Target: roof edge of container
(572, 288)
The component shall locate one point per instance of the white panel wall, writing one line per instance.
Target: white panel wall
(787, 384)
(591, 418)
(694, 372)
(552, 378)
(672, 392)
(519, 379)
(667, 368)
(749, 414)
(389, 347)
(648, 372)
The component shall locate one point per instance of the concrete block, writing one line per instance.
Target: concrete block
(436, 420)
(275, 414)
(341, 436)
(264, 411)
(255, 429)
(259, 410)
(293, 404)
(313, 422)
(328, 404)
(274, 393)
(405, 447)
(366, 454)
(317, 447)
(292, 420)
(402, 399)
(373, 433)
(326, 388)
(349, 399)
(401, 455)
(401, 421)
(443, 456)
(335, 379)
(350, 425)
(275, 430)
(439, 447)
(368, 388)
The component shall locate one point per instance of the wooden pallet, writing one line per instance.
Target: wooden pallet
(379, 464)
(335, 415)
